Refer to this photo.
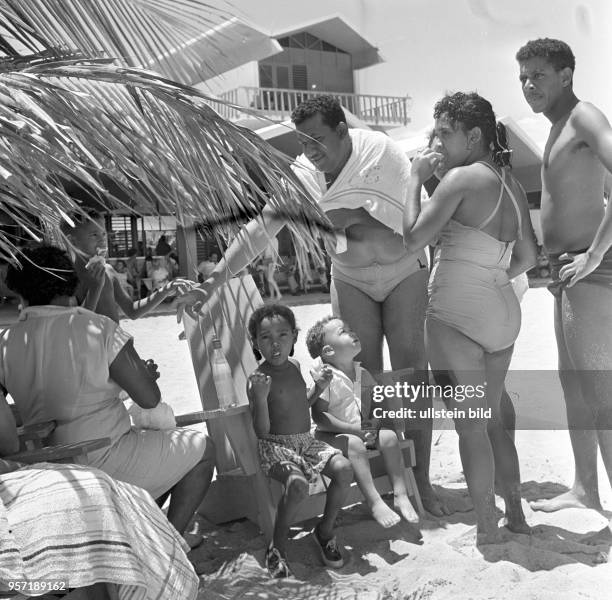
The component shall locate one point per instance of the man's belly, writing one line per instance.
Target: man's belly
(572, 202)
(568, 230)
(366, 247)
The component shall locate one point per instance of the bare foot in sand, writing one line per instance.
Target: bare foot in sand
(432, 503)
(520, 526)
(567, 500)
(600, 538)
(473, 538)
(404, 507)
(496, 536)
(383, 515)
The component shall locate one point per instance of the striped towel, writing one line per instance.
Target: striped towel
(67, 522)
(374, 178)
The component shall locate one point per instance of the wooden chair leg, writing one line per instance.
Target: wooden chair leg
(265, 508)
(244, 444)
(413, 490)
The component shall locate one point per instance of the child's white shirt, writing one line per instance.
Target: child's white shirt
(343, 394)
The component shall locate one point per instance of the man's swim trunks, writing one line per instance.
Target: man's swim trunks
(376, 280)
(602, 275)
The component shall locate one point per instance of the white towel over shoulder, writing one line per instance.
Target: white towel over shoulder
(375, 178)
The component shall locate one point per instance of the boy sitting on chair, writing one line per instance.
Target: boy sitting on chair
(288, 453)
(340, 415)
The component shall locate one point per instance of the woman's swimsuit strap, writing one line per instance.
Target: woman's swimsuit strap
(506, 187)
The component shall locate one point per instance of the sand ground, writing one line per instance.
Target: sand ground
(391, 564)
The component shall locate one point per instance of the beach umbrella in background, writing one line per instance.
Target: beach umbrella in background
(74, 107)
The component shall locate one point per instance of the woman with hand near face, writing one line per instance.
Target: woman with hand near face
(480, 214)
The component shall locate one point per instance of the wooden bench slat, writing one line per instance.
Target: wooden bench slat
(35, 431)
(59, 452)
(206, 415)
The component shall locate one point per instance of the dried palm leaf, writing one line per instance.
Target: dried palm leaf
(164, 35)
(135, 139)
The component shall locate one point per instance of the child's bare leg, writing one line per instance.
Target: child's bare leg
(295, 489)
(356, 451)
(339, 470)
(388, 444)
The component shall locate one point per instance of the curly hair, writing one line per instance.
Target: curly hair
(326, 105)
(472, 110)
(556, 52)
(267, 312)
(315, 338)
(46, 272)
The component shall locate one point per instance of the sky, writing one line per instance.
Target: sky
(434, 46)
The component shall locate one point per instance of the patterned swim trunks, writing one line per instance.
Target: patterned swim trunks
(299, 449)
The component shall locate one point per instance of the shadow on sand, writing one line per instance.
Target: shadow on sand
(231, 560)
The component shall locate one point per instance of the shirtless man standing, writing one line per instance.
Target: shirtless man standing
(377, 287)
(577, 231)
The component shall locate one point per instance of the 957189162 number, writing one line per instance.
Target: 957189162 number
(36, 585)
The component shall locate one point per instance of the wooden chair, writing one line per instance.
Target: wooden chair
(34, 445)
(241, 489)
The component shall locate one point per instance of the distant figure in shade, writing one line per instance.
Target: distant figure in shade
(270, 264)
(133, 271)
(147, 267)
(163, 248)
(121, 273)
(173, 265)
(207, 266)
(160, 273)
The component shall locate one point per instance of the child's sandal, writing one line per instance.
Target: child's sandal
(276, 563)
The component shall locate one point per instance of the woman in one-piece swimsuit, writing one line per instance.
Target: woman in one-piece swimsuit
(481, 215)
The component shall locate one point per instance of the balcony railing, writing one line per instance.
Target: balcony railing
(277, 104)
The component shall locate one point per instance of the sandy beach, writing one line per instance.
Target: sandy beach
(386, 564)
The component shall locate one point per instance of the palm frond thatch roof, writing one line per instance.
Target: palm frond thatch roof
(65, 115)
(158, 34)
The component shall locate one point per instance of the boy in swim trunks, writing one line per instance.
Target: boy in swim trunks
(577, 231)
(339, 414)
(288, 453)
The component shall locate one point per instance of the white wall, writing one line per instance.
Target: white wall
(245, 75)
(431, 46)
